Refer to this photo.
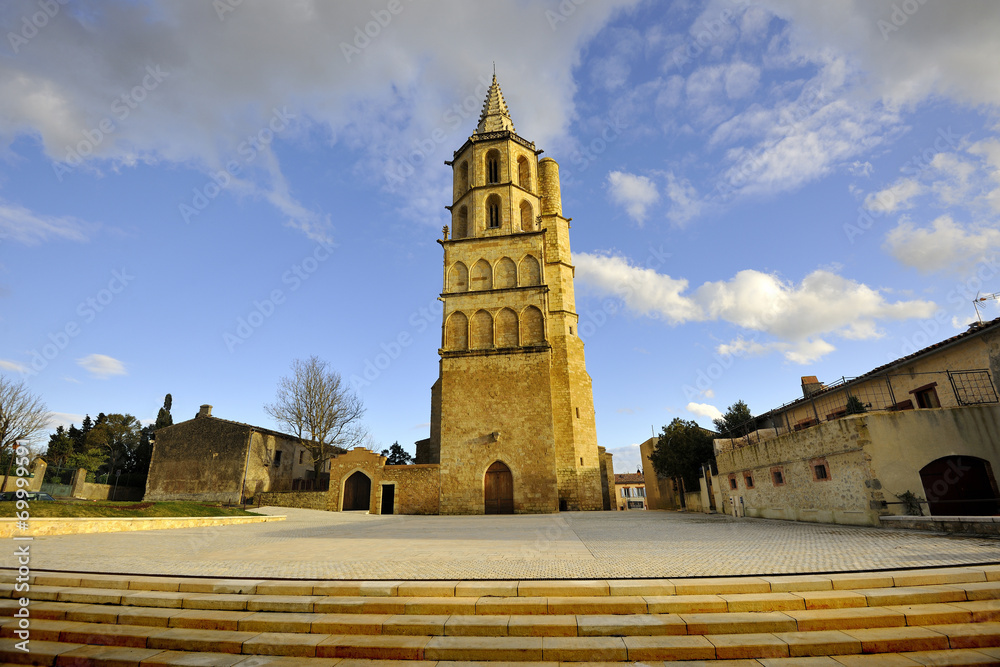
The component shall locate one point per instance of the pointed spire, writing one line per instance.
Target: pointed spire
(495, 117)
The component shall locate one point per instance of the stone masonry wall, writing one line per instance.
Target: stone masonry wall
(418, 488)
(310, 500)
(200, 459)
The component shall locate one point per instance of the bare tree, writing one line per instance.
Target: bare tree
(317, 407)
(22, 414)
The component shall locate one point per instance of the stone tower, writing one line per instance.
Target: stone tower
(512, 413)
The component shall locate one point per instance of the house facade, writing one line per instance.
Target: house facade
(630, 491)
(920, 434)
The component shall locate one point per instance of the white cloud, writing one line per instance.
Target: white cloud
(418, 78)
(798, 316)
(742, 79)
(859, 168)
(895, 197)
(704, 410)
(102, 366)
(8, 365)
(64, 419)
(635, 193)
(626, 459)
(708, 393)
(685, 204)
(946, 245)
(24, 226)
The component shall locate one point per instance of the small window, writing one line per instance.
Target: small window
(821, 472)
(571, 331)
(301, 456)
(777, 477)
(581, 460)
(624, 493)
(578, 413)
(749, 480)
(732, 483)
(492, 169)
(492, 215)
(277, 457)
(926, 396)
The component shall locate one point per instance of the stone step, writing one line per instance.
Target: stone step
(470, 606)
(556, 625)
(51, 639)
(529, 588)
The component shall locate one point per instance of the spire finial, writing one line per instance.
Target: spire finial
(495, 116)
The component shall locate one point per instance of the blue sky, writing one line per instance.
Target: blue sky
(192, 195)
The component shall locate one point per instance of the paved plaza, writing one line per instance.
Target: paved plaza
(313, 544)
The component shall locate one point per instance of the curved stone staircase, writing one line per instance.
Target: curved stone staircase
(915, 617)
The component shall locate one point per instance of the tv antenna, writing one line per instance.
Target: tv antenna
(981, 299)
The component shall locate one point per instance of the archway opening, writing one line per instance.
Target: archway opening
(357, 492)
(960, 486)
(499, 489)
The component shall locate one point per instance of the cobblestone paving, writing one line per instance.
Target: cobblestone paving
(330, 545)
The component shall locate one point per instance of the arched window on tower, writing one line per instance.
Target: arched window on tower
(493, 167)
(523, 173)
(457, 332)
(527, 216)
(461, 223)
(493, 212)
(463, 178)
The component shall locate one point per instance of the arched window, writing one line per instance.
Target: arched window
(463, 178)
(507, 328)
(532, 326)
(457, 332)
(493, 212)
(505, 274)
(523, 173)
(458, 278)
(482, 275)
(527, 216)
(461, 223)
(482, 331)
(493, 167)
(528, 272)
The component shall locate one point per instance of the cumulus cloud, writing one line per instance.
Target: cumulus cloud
(704, 410)
(635, 193)
(799, 316)
(945, 245)
(895, 197)
(380, 96)
(101, 366)
(685, 204)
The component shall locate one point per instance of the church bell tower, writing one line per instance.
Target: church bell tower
(512, 413)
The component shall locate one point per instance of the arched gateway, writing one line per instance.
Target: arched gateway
(498, 489)
(357, 492)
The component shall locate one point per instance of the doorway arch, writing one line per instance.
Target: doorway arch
(960, 486)
(357, 492)
(498, 489)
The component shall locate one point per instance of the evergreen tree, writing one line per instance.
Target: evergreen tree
(163, 417)
(60, 446)
(680, 451)
(397, 456)
(736, 422)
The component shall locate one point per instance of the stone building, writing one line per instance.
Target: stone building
(512, 413)
(921, 433)
(217, 460)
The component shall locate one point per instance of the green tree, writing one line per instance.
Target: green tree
(736, 422)
(60, 447)
(117, 437)
(163, 417)
(855, 406)
(396, 455)
(680, 451)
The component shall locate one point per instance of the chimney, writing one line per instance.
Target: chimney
(204, 411)
(811, 385)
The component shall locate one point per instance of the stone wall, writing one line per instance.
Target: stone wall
(200, 459)
(90, 491)
(417, 488)
(309, 500)
(869, 460)
(659, 492)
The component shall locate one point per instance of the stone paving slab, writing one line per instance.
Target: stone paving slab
(316, 545)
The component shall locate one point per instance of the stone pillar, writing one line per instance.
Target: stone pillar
(548, 186)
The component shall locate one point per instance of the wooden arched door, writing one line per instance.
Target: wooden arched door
(499, 489)
(960, 486)
(357, 492)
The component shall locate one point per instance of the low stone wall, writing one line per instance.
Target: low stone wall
(308, 500)
(90, 491)
(977, 525)
(73, 526)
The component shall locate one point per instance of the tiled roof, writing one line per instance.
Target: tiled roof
(629, 478)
